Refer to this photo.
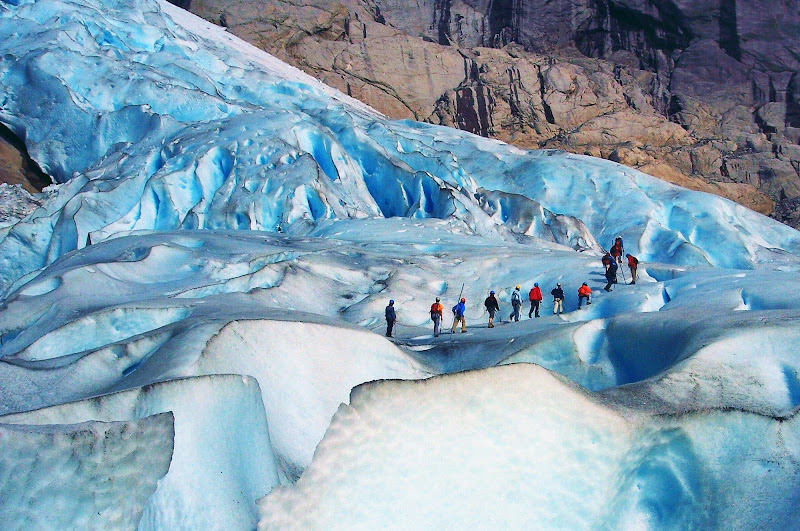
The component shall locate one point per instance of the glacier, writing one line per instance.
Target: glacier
(200, 295)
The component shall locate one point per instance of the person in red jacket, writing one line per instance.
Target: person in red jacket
(616, 251)
(607, 261)
(535, 296)
(633, 264)
(584, 292)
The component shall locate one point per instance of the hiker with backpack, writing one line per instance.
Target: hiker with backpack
(633, 265)
(607, 260)
(492, 306)
(391, 317)
(535, 296)
(516, 304)
(611, 276)
(458, 316)
(584, 292)
(617, 250)
(436, 316)
(558, 299)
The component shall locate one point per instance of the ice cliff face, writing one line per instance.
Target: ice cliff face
(223, 245)
(702, 94)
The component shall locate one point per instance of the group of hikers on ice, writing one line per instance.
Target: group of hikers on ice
(611, 261)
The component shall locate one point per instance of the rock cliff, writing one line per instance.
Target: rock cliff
(704, 93)
(16, 167)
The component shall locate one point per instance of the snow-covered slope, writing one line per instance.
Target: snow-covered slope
(224, 243)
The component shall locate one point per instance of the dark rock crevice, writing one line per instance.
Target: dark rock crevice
(652, 36)
(504, 20)
(16, 165)
(441, 21)
(548, 112)
(728, 32)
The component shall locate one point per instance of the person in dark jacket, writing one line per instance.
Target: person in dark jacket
(611, 276)
(535, 296)
(458, 315)
(558, 299)
(492, 306)
(391, 317)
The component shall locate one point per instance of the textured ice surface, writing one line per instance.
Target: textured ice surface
(222, 457)
(91, 475)
(224, 243)
(515, 447)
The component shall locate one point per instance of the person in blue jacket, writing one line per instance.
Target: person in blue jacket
(391, 317)
(458, 315)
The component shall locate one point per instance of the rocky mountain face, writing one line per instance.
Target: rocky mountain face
(703, 93)
(16, 167)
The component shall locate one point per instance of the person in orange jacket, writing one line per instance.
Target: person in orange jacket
(584, 292)
(535, 296)
(633, 264)
(436, 316)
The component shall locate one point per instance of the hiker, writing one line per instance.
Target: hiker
(611, 276)
(607, 260)
(633, 265)
(558, 299)
(391, 317)
(584, 292)
(617, 250)
(436, 316)
(516, 304)
(491, 306)
(535, 296)
(458, 315)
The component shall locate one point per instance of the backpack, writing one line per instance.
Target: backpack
(515, 297)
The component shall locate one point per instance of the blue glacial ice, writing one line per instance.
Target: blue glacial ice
(158, 125)
(221, 245)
